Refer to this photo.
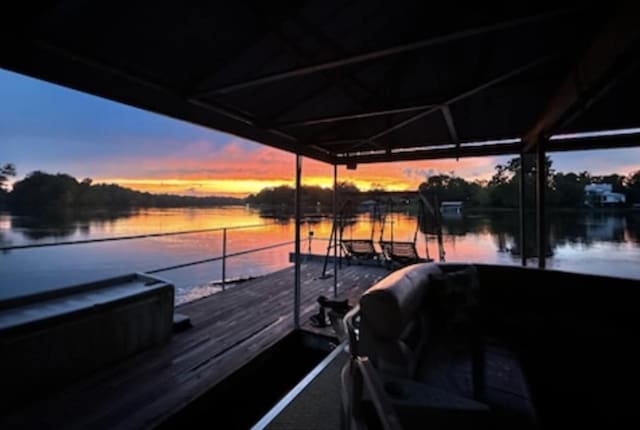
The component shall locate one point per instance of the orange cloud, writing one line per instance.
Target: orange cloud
(238, 169)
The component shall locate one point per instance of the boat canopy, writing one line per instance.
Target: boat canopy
(350, 82)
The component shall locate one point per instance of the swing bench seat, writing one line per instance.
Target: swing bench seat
(362, 249)
(402, 253)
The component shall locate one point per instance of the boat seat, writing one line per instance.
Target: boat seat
(423, 325)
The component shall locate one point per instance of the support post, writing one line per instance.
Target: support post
(523, 201)
(296, 280)
(335, 238)
(541, 182)
(224, 258)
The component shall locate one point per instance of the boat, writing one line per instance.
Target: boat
(451, 208)
(528, 354)
(350, 85)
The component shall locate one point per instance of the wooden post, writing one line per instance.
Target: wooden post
(335, 238)
(523, 202)
(224, 258)
(541, 183)
(296, 280)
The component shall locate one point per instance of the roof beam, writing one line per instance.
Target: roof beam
(448, 118)
(337, 142)
(266, 19)
(337, 81)
(389, 86)
(306, 25)
(284, 140)
(433, 100)
(353, 116)
(378, 54)
(459, 97)
(347, 147)
(479, 150)
(300, 98)
(593, 76)
(415, 104)
(376, 96)
(143, 81)
(432, 154)
(595, 142)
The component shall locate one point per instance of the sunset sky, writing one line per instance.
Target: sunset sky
(54, 129)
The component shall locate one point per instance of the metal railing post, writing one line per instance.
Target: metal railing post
(224, 258)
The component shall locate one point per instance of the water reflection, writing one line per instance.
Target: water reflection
(64, 224)
(563, 229)
(594, 242)
(588, 229)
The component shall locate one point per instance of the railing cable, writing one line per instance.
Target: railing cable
(209, 260)
(139, 236)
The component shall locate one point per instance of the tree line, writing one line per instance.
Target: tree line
(309, 197)
(40, 191)
(563, 190)
(502, 190)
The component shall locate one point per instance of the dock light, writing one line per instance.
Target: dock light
(352, 165)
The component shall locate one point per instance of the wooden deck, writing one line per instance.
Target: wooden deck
(229, 329)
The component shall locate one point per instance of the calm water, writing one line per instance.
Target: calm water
(603, 243)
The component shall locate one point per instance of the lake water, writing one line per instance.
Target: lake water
(601, 243)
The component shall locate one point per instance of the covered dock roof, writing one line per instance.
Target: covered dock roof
(354, 81)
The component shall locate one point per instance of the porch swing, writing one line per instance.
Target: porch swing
(400, 252)
(360, 248)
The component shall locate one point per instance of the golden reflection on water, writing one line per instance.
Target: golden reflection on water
(605, 247)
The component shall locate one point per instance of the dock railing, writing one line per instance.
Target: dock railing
(223, 257)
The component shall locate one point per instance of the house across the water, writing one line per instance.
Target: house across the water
(601, 195)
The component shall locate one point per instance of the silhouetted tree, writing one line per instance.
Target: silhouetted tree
(504, 186)
(632, 184)
(568, 189)
(5, 172)
(284, 195)
(41, 191)
(451, 188)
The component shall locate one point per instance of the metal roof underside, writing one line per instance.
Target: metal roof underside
(352, 81)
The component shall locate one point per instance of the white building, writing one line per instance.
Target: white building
(598, 195)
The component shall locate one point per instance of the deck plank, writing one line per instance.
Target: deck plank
(229, 329)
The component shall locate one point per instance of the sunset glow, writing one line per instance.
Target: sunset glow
(232, 187)
(232, 175)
